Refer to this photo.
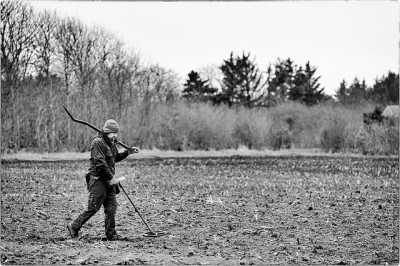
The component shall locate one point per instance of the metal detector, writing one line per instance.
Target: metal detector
(151, 233)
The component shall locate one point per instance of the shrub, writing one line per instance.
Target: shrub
(251, 128)
(205, 126)
(333, 134)
(379, 139)
(165, 133)
(279, 139)
(194, 126)
(293, 126)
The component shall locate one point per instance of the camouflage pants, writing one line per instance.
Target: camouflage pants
(99, 195)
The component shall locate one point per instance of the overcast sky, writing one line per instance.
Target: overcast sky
(342, 39)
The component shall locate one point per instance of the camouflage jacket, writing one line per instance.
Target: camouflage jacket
(103, 156)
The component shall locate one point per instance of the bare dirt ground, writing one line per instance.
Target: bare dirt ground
(228, 210)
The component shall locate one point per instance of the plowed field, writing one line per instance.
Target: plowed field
(229, 211)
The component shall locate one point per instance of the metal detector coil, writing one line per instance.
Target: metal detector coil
(154, 234)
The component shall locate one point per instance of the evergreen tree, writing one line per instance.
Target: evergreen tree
(385, 91)
(196, 89)
(312, 92)
(298, 89)
(296, 84)
(280, 81)
(341, 93)
(243, 83)
(356, 93)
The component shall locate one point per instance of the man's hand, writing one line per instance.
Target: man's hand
(133, 150)
(115, 180)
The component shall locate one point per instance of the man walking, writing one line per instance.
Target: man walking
(100, 180)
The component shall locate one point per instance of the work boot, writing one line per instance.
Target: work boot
(116, 238)
(72, 232)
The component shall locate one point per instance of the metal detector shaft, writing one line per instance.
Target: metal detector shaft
(135, 208)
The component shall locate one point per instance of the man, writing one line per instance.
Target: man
(100, 180)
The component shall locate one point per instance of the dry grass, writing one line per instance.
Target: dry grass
(241, 151)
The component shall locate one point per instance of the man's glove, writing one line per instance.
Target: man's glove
(133, 150)
(115, 181)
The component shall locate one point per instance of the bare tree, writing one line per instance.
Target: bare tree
(159, 84)
(45, 40)
(156, 85)
(119, 69)
(65, 44)
(45, 54)
(79, 45)
(18, 31)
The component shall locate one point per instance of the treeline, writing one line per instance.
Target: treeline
(48, 61)
(239, 82)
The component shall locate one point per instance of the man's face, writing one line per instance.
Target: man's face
(112, 136)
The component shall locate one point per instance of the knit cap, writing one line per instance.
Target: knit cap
(111, 126)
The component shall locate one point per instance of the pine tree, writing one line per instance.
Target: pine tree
(385, 91)
(341, 93)
(357, 92)
(243, 83)
(280, 81)
(305, 88)
(354, 94)
(297, 91)
(313, 94)
(196, 89)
